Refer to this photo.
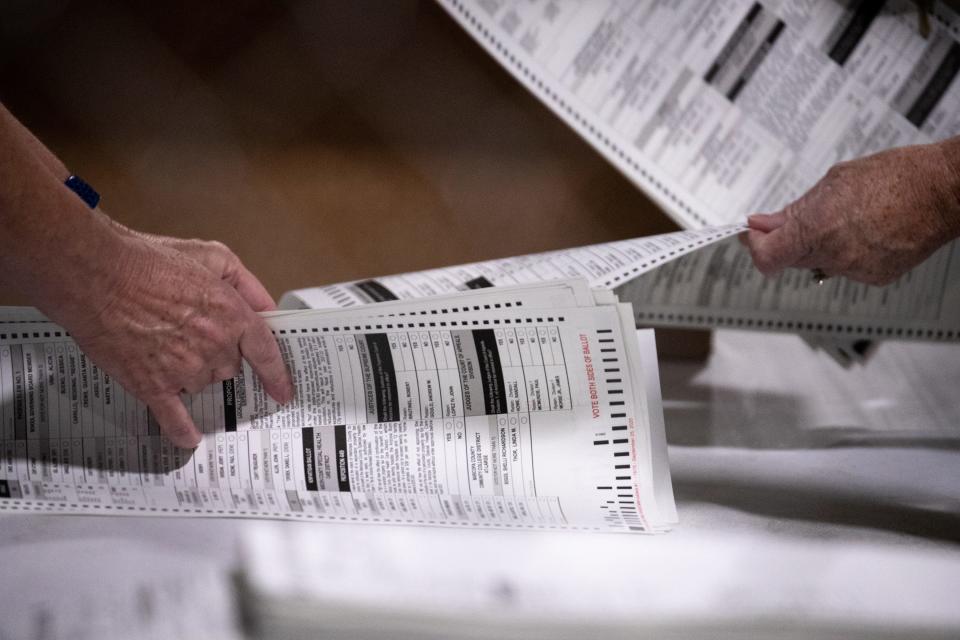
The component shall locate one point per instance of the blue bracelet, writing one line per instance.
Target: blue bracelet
(87, 193)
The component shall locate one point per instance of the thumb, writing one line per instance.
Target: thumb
(767, 221)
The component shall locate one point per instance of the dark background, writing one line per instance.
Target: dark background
(322, 141)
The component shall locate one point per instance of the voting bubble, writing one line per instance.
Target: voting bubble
(243, 438)
(513, 421)
(523, 420)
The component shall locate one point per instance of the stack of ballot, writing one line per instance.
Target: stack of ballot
(527, 407)
(404, 582)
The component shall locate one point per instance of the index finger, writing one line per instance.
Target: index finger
(259, 347)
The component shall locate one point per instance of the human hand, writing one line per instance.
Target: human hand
(179, 315)
(222, 263)
(871, 219)
(159, 315)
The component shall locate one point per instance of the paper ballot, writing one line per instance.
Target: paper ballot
(725, 108)
(700, 278)
(523, 407)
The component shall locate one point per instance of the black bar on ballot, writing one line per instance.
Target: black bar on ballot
(343, 464)
(384, 376)
(375, 291)
(229, 405)
(309, 460)
(491, 371)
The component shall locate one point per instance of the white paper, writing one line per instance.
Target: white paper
(701, 278)
(529, 407)
(724, 108)
(421, 583)
(104, 585)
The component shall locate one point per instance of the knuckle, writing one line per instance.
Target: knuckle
(217, 246)
(230, 303)
(176, 348)
(192, 367)
(219, 337)
(837, 170)
(196, 387)
(223, 252)
(190, 246)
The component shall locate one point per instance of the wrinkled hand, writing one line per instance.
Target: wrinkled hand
(222, 263)
(871, 219)
(180, 316)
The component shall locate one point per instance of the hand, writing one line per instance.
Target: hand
(159, 315)
(180, 316)
(222, 263)
(871, 219)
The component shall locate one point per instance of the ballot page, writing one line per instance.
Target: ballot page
(702, 278)
(718, 286)
(710, 580)
(723, 108)
(525, 407)
(603, 266)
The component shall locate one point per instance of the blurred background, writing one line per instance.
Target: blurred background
(322, 141)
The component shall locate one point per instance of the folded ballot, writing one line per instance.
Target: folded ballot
(531, 406)
(721, 109)
(705, 279)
